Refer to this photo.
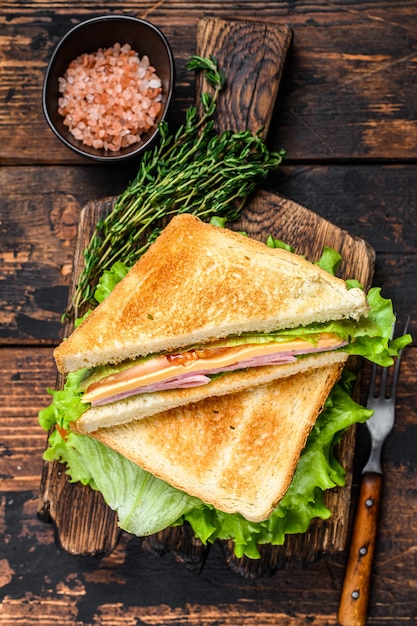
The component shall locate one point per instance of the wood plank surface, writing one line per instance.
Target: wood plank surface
(39, 219)
(134, 583)
(348, 89)
(346, 114)
(38, 228)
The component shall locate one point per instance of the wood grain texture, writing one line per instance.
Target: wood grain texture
(22, 441)
(348, 91)
(252, 56)
(39, 214)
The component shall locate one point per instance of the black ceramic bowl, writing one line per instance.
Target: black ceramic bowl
(103, 32)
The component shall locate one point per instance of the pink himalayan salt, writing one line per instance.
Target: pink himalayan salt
(110, 97)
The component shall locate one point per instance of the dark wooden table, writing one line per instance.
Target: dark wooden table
(347, 115)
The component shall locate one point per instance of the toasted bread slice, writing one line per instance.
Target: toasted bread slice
(237, 452)
(199, 283)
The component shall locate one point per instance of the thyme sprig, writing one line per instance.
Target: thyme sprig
(195, 170)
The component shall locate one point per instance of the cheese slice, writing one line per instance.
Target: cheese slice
(166, 367)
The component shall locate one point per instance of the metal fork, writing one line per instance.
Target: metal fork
(354, 599)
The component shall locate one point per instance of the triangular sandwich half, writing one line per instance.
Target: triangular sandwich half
(237, 452)
(206, 311)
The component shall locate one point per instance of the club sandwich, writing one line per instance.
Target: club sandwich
(195, 390)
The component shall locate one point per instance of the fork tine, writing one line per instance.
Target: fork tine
(384, 375)
(383, 383)
(407, 321)
(397, 363)
(371, 390)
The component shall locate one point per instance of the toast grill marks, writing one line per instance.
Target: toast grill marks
(177, 295)
(237, 452)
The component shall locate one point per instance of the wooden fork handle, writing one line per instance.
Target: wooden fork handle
(354, 599)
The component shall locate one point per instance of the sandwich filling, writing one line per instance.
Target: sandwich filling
(196, 366)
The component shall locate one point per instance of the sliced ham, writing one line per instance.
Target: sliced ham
(179, 382)
(199, 378)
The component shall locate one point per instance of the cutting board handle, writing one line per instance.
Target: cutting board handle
(252, 56)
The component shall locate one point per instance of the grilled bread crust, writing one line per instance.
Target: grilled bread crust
(237, 452)
(199, 283)
(147, 404)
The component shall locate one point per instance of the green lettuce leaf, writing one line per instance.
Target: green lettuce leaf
(330, 260)
(109, 279)
(271, 242)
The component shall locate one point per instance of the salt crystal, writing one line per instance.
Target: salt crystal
(105, 95)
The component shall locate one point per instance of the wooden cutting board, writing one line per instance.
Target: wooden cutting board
(252, 56)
